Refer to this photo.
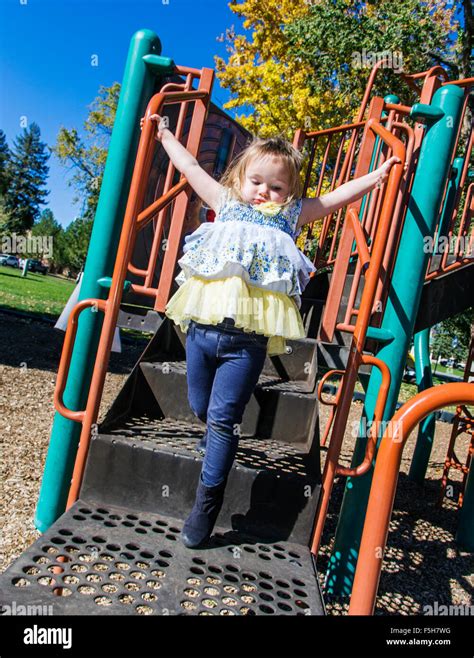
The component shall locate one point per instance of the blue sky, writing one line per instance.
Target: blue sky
(46, 48)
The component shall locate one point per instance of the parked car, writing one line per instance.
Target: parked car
(37, 266)
(8, 259)
(409, 376)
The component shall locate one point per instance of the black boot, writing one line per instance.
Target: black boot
(200, 523)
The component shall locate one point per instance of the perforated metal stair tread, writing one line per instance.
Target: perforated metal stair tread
(121, 562)
(182, 437)
(264, 382)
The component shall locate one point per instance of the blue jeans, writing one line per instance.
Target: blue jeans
(223, 367)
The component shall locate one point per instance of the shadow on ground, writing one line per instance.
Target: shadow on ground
(37, 344)
(423, 567)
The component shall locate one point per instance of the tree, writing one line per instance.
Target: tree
(458, 327)
(28, 173)
(269, 86)
(4, 164)
(87, 158)
(49, 231)
(74, 242)
(300, 68)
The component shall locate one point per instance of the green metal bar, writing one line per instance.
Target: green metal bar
(106, 282)
(382, 335)
(137, 87)
(424, 380)
(400, 315)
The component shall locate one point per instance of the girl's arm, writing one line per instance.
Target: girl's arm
(325, 205)
(204, 185)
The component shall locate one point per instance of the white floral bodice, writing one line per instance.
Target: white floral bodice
(252, 241)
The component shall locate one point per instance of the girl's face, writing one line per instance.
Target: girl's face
(265, 179)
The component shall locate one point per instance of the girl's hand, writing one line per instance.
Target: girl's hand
(383, 171)
(162, 125)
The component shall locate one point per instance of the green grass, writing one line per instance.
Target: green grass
(451, 371)
(35, 293)
(44, 295)
(408, 391)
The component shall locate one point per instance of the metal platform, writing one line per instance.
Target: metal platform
(272, 491)
(115, 561)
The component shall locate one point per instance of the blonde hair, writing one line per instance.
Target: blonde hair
(259, 147)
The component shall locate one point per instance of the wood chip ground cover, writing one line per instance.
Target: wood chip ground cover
(423, 564)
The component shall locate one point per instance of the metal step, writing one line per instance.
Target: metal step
(109, 560)
(278, 410)
(272, 491)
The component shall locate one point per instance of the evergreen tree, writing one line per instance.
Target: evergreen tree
(50, 231)
(29, 172)
(74, 242)
(4, 163)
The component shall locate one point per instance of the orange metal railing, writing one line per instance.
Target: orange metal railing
(135, 219)
(384, 485)
(458, 249)
(372, 269)
(326, 172)
(463, 422)
(332, 251)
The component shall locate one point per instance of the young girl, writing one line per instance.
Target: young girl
(240, 284)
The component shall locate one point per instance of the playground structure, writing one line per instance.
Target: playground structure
(132, 478)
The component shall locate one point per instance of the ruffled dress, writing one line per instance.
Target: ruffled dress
(245, 265)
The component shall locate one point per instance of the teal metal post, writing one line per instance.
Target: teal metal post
(424, 379)
(442, 118)
(137, 88)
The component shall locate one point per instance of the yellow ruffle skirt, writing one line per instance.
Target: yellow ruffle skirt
(273, 314)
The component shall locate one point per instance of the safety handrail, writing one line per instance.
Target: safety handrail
(134, 220)
(384, 485)
(463, 421)
(65, 362)
(349, 234)
(147, 214)
(366, 463)
(458, 258)
(333, 404)
(356, 357)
